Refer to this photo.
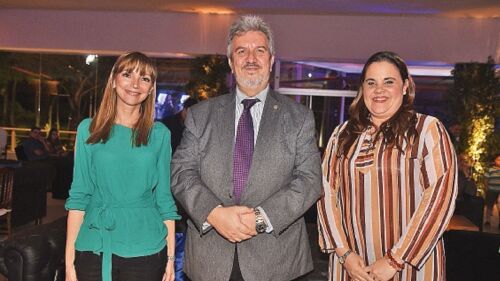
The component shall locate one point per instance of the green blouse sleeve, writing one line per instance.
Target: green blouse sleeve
(163, 194)
(81, 187)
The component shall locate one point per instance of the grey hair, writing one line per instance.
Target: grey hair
(249, 23)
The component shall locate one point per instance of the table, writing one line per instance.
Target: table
(461, 223)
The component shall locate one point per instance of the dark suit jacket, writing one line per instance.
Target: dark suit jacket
(285, 180)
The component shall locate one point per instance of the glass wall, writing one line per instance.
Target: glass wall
(330, 92)
(327, 92)
(59, 90)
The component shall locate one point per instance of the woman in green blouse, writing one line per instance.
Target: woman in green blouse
(121, 211)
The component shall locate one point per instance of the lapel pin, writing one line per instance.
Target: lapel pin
(275, 107)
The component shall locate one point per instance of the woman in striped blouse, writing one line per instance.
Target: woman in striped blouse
(389, 179)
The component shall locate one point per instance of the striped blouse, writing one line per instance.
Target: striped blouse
(378, 199)
(493, 179)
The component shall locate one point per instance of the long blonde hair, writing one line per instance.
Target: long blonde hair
(100, 127)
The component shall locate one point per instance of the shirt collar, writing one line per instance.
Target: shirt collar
(261, 96)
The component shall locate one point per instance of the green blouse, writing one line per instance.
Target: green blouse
(125, 193)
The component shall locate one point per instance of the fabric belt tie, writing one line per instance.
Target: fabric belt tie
(105, 222)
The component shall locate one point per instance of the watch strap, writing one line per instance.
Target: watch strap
(260, 222)
(343, 258)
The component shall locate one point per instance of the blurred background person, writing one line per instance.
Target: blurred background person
(466, 186)
(389, 178)
(63, 161)
(34, 146)
(454, 133)
(54, 145)
(175, 122)
(493, 192)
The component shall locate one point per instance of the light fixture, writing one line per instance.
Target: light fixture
(90, 59)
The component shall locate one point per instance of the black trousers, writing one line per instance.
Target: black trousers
(147, 268)
(235, 272)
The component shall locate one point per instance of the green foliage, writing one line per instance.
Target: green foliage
(475, 88)
(10, 78)
(208, 77)
(67, 84)
(474, 102)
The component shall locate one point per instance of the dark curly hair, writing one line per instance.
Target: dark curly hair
(401, 126)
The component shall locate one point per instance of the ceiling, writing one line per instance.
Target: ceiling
(442, 8)
(436, 8)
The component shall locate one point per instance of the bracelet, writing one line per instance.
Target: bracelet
(170, 258)
(393, 263)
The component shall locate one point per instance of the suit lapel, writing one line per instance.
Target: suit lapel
(268, 130)
(225, 133)
(269, 124)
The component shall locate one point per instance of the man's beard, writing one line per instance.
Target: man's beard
(250, 82)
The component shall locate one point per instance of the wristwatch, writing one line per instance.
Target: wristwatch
(344, 256)
(260, 222)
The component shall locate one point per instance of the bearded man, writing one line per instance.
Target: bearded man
(246, 171)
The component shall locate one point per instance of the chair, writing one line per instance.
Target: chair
(472, 208)
(20, 155)
(6, 186)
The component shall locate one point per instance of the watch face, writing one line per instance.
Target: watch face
(260, 228)
(260, 224)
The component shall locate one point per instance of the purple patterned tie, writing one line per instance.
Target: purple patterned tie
(243, 150)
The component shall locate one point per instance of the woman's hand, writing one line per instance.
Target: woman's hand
(75, 219)
(381, 270)
(169, 271)
(71, 273)
(356, 268)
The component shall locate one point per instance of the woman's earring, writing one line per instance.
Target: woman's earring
(404, 93)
